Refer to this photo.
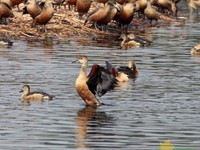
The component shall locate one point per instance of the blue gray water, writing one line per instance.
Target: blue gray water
(162, 103)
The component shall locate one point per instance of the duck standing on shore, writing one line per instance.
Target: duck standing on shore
(32, 8)
(5, 13)
(83, 6)
(45, 15)
(99, 14)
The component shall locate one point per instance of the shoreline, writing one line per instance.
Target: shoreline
(65, 24)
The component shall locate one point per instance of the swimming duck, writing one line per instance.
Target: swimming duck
(45, 15)
(98, 81)
(195, 50)
(127, 42)
(142, 41)
(124, 73)
(5, 12)
(5, 41)
(27, 95)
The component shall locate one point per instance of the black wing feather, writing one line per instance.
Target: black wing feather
(43, 93)
(143, 42)
(128, 71)
(101, 81)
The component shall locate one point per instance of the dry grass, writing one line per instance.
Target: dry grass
(65, 24)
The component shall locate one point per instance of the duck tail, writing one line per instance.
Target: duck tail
(51, 97)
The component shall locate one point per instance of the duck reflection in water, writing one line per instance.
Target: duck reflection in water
(89, 122)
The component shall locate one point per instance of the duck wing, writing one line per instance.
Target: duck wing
(100, 80)
(128, 71)
(42, 93)
(111, 68)
(90, 14)
(142, 41)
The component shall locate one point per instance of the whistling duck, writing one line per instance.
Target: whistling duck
(142, 41)
(151, 13)
(5, 12)
(142, 5)
(5, 41)
(114, 10)
(45, 15)
(83, 6)
(124, 73)
(99, 81)
(100, 13)
(167, 4)
(195, 50)
(127, 14)
(27, 95)
(32, 8)
(13, 3)
(127, 42)
(8, 2)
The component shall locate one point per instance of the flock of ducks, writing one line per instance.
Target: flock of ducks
(97, 82)
(100, 80)
(121, 12)
(103, 13)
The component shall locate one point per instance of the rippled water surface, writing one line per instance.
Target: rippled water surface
(162, 103)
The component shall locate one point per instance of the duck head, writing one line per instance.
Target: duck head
(81, 60)
(25, 89)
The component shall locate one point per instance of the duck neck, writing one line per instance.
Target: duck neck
(26, 92)
(83, 69)
(148, 4)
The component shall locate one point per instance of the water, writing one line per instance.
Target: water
(162, 103)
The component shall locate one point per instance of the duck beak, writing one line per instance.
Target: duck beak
(21, 91)
(74, 61)
(118, 7)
